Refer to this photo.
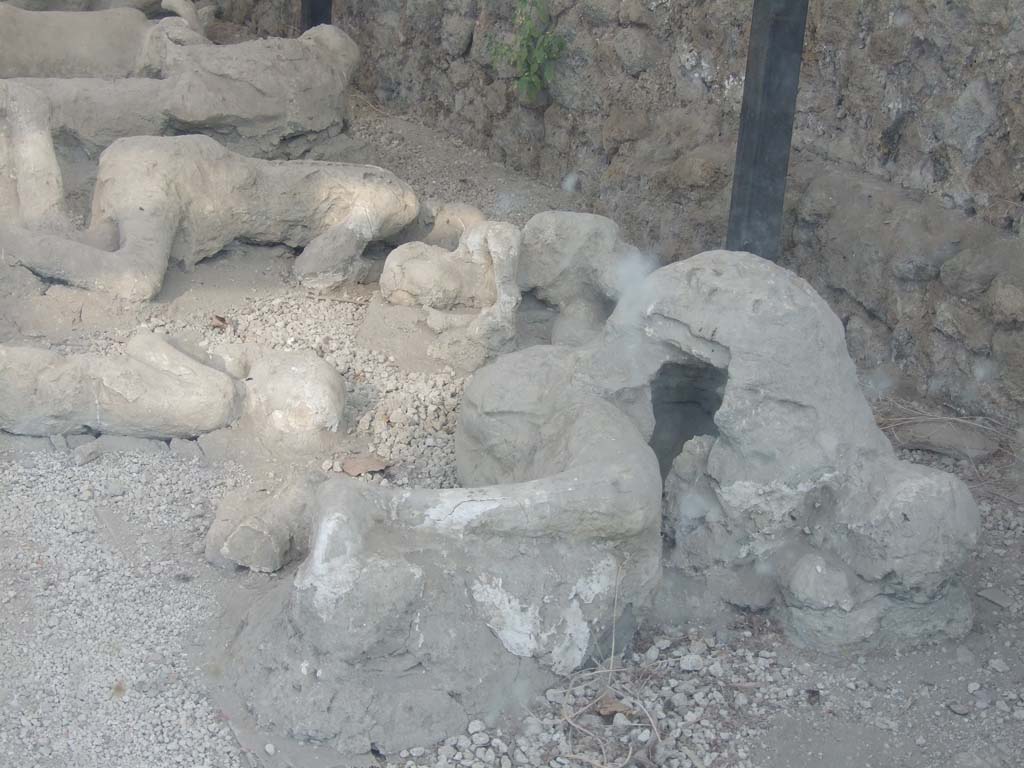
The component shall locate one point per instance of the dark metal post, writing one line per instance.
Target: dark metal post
(766, 126)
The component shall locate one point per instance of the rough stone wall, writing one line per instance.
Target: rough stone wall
(645, 101)
(923, 97)
(931, 298)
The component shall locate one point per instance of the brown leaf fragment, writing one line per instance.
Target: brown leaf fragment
(609, 705)
(362, 463)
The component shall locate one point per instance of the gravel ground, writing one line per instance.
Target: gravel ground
(102, 592)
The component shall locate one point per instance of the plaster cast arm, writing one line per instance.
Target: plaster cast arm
(604, 501)
(607, 501)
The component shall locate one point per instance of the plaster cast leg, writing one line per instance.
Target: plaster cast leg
(134, 271)
(33, 190)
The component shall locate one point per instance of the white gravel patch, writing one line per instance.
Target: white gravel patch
(100, 602)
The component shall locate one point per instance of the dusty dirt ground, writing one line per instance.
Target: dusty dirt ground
(108, 609)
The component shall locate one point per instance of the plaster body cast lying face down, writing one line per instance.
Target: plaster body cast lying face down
(117, 74)
(105, 43)
(184, 198)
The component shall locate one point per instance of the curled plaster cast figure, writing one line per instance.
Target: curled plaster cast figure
(790, 465)
(480, 274)
(165, 78)
(417, 274)
(774, 464)
(440, 223)
(454, 307)
(194, 197)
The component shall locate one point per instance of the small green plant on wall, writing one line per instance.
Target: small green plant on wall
(534, 49)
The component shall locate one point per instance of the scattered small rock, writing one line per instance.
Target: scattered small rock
(362, 464)
(998, 665)
(997, 596)
(691, 662)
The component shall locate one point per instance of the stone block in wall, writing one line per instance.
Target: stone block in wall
(970, 273)
(274, 18)
(457, 35)
(637, 49)
(472, 118)
(521, 136)
(953, 374)
(623, 125)
(577, 84)
(870, 237)
(634, 12)
(497, 9)
(1004, 301)
(461, 73)
(962, 322)
(973, 115)
(559, 128)
(939, 282)
(1008, 352)
(496, 97)
(707, 168)
(868, 341)
(600, 12)
(690, 73)
(461, 7)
